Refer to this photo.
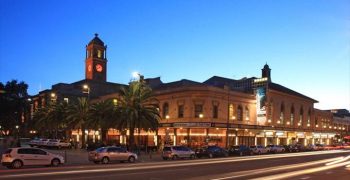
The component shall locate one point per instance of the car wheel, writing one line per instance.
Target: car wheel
(210, 155)
(55, 162)
(9, 167)
(17, 164)
(192, 156)
(175, 157)
(105, 160)
(131, 159)
(97, 162)
(164, 158)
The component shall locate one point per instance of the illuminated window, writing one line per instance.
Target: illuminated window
(231, 112)
(239, 113)
(282, 114)
(309, 117)
(198, 109)
(66, 100)
(99, 53)
(301, 114)
(292, 116)
(165, 110)
(246, 113)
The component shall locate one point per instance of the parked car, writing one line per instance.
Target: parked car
(240, 150)
(319, 147)
(108, 154)
(290, 148)
(18, 157)
(259, 149)
(57, 143)
(176, 152)
(311, 147)
(276, 148)
(34, 142)
(43, 142)
(211, 151)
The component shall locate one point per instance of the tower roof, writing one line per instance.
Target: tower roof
(266, 66)
(97, 41)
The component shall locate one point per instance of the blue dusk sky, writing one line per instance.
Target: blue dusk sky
(306, 43)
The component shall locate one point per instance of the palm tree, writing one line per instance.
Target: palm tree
(102, 115)
(78, 115)
(41, 120)
(137, 109)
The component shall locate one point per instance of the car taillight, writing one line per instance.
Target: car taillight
(8, 155)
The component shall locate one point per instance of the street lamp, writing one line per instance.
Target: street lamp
(86, 90)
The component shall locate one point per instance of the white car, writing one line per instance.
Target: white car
(43, 142)
(18, 157)
(57, 143)
(34, 142)
(259, 149)
(275, 148)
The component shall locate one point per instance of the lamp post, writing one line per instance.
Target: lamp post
(228, 115)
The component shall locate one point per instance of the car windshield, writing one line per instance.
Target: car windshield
(101, 149)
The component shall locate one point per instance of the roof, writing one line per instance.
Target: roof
(283, 89)
(175, 84)
(97, 41)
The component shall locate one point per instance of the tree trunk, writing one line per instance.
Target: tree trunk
(132, 139)
(83, 144)
(104, 135)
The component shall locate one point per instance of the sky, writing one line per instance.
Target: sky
(306, 43)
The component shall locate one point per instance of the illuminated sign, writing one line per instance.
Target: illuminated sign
(261, 105)
(258, 80)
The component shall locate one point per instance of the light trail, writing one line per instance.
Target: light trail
(273, 169)
(170, 164)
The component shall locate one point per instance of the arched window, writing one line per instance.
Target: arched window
(247, 117)
(165, 110)
(301, 114)
(270, 111)
(292, 115)
(239, 113)
(309, 118)
(282, 114)
(231, 112)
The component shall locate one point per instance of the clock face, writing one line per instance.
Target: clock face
(89, 68)
(99, 68)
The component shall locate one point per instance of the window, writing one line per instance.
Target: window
(99, 53)
(292, 115)
(215, 111)
(239, 113)
(231, 112)
(198, 110)
(270, 111)
(66, 100)
(309, 118)
(301, 114)
(247, 113)
(180, 111)
(282, 114)
(165, 110)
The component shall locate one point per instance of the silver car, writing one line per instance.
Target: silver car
(108, 154)
(176, 152)
(18, 157)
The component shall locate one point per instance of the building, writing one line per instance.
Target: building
(218, 111)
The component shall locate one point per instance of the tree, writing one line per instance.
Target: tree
(14, 106)
(137, 109)
(103, 115)
(78, 116)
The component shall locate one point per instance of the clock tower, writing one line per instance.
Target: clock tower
(96, 60)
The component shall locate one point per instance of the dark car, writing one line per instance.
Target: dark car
(240, 150)
(211, 151)
(291, 148)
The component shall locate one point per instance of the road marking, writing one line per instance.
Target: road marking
(171, 164)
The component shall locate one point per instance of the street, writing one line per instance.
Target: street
(306, 165)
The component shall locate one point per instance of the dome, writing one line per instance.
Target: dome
(97, 41)
(266, 66)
